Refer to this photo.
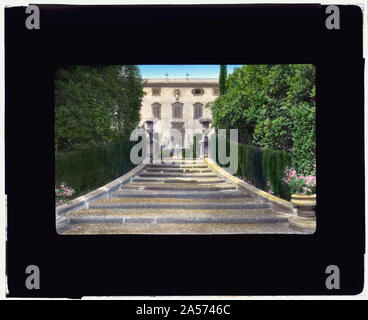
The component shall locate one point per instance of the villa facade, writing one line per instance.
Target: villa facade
(177, 103)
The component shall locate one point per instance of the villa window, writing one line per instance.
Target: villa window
(197, 110)
(156, 91)
(156, 110)
(177, 110)
(216, 91)
(197, 91)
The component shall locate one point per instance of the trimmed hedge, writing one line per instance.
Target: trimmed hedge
(274, 164)
(250, 165)
(259, 166)
(87, 169)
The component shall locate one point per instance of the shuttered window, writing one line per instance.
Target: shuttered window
(197, 111)
(177, 110)
(156, 111)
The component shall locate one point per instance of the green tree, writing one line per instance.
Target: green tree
(239, 107)
(265, 103)
(95, 105)
(83, 108)
(304, 138)
(222, 80)
(129, 100)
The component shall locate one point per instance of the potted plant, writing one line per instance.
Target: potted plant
(303, 197)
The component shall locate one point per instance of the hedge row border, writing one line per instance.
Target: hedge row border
(277, 203)
(83, 201)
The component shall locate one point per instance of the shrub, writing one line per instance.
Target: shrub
(304, 138)
(253, 166)
(89, 168)
(274, 164)
(298, 183)
(263, 168)
(63, 193)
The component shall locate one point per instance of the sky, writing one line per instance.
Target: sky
(179, 71)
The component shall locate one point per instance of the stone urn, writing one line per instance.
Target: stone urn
(304, 212)
(304, 204)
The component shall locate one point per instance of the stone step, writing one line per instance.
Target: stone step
(231, 194)
(178, 170)
(179, 187)
(150, 220)
(179, 161)
(177, 175)
(177, 200)
(176, 211)
(179, 228)
(263, 216)
(180, 180)
(181, 198)
(178, 166)
(117, 203)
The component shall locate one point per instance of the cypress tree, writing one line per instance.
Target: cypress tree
(222, 80)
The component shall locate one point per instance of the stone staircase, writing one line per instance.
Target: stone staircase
(179, 198)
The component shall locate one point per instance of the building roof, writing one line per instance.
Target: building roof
(180, 82)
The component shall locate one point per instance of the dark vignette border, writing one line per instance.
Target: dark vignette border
(74, 266)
